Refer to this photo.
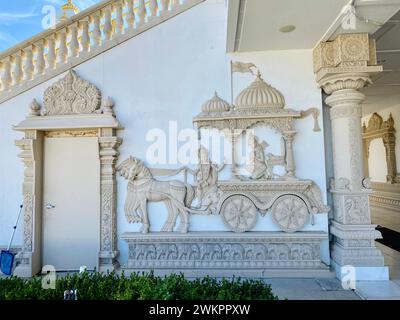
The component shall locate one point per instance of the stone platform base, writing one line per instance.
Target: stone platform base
(252, 254)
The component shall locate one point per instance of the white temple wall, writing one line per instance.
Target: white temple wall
(165, 74)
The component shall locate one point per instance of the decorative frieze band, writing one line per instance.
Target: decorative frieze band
(225, 251)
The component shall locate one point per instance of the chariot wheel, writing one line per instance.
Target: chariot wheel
(290, 213)
(239, 213)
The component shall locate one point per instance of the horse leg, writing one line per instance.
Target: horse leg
(169, 224)
(184, 224)
(145, 218)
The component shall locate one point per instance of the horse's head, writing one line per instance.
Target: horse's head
(130, 168)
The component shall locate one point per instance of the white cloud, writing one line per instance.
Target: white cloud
(10, 17)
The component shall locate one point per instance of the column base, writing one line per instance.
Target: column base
(23, 271)
(353, 252)
(108, 261)
(27, 264)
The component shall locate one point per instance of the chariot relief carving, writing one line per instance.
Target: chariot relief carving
(239, 200)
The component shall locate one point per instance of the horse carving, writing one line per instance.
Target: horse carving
(143, 187)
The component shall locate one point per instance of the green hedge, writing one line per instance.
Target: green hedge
(99, 286)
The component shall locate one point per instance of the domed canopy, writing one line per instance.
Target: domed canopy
(215, 105)
(259, 94)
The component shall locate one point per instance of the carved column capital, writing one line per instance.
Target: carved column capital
(353, 54)
(344, 81)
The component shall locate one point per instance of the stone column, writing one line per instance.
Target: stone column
(290, 164)
(342, 68)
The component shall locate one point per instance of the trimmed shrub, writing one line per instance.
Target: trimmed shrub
(145, 286)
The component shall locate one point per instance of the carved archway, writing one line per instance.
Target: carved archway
(72, 106)
(377, 128)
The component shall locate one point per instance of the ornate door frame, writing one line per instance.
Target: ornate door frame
(376, 129)
(72, 107)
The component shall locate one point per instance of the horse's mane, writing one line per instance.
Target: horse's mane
(145, 171)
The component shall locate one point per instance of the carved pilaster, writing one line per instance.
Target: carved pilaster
(29, 257)
(109, 144)
(26, 145)
(342, 68)
(389, 141)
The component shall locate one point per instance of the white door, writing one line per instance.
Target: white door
(71, 203)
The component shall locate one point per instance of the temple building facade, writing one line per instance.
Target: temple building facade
(256, 138)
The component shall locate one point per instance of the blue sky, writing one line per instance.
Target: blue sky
(21, 19)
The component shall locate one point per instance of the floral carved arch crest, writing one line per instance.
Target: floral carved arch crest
(71, 95)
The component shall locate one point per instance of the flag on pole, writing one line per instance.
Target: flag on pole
(242, 67)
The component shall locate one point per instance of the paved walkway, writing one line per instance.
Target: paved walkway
(310, 289)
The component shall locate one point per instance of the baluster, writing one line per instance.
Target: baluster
(165, 6)
(6, 75)
(51, 52)
(28, 63)
(119, 20)
(107, 28)
(62, 52)
(39, 62)
(130, 17)
(153, 8)
(17, 72)
(142, 11)
(85, 39)
(73, 44)
(175, 3)
(96, 34)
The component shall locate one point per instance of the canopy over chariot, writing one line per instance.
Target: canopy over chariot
(243, 198)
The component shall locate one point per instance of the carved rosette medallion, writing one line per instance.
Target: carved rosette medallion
(290, 213)
(239, 213)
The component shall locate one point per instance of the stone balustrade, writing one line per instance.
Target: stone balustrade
(79, 38)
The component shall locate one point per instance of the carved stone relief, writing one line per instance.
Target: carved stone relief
(238, 200)
(229, 251)
(71, 95)
(377, 128)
